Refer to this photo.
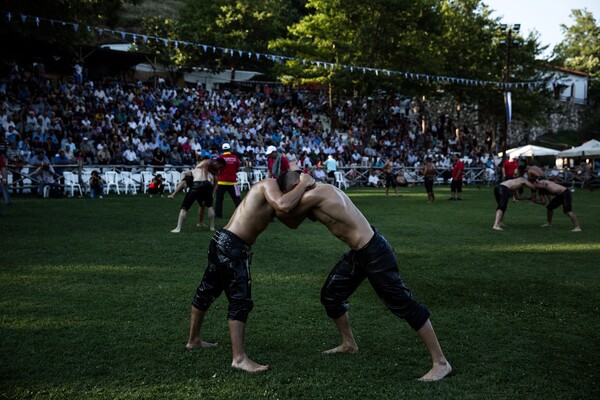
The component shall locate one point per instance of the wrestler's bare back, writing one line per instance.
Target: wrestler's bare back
(550, 187)
(332, 207)
(200, 172)
(514, 184)
(254, 213)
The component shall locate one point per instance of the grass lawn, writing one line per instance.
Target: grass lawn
(95, 299)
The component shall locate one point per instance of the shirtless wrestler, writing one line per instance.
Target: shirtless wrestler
(228, 269)
(201, 190)
(503, 192)
(562, 196)
(370, 256)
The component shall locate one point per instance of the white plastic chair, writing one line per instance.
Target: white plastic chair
(340, 179)
(242, 180)
(71, 183)
(111, 179)
(166, 181)
(146, 178)
(175, 177)
(257, 176)
(128, 182)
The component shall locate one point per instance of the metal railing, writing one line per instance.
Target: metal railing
(25, 180)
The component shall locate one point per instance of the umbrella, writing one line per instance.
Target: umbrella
(589, 148)
(531, 151)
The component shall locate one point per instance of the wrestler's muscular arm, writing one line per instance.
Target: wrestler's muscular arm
(284, 203)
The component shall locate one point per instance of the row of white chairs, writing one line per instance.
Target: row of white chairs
(244, 181)
(118, 182)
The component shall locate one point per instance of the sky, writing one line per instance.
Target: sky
(545, 16)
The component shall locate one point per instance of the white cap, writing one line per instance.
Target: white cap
(226, 146)
(270, 149)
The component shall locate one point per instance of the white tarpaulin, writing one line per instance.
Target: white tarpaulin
(531, 151)
(589, 148)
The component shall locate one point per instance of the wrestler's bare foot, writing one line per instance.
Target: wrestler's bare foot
(200, 344)
(578, 229)
(171, 196)
(176, 230)
(343, 348)
(546, 225)
(246, 364)
(438, 372)
(212, 229)
(497, 228)
(201, 225)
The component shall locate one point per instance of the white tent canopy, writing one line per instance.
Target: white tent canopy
(589, 148)
(531, 151)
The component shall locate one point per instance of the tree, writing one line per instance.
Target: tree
(244, 25)
(580, 50)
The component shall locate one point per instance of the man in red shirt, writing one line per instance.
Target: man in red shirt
(508, 168)
(457, 178)
(277, 163)
(227, 182)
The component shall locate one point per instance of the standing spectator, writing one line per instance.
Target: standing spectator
(227, 181)
(458, 171)
(508, 168)
(277, 163)
(331, 165)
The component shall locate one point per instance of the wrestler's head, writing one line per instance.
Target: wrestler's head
(287, 180)
(216, 166)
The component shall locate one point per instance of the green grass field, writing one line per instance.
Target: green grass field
(95, 299)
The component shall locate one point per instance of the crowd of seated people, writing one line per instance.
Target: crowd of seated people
(110, 122)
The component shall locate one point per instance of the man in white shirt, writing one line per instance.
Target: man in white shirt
(130, 157)
(331, 165)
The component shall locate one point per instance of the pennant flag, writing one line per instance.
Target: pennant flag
(37, 21)
(9, 16)
(23, 18)
(123, 34)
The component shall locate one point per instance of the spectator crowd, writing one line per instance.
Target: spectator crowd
(111, 122)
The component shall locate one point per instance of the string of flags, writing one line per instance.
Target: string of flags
(136, 38)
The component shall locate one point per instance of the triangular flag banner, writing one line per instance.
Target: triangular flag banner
(277, 58)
